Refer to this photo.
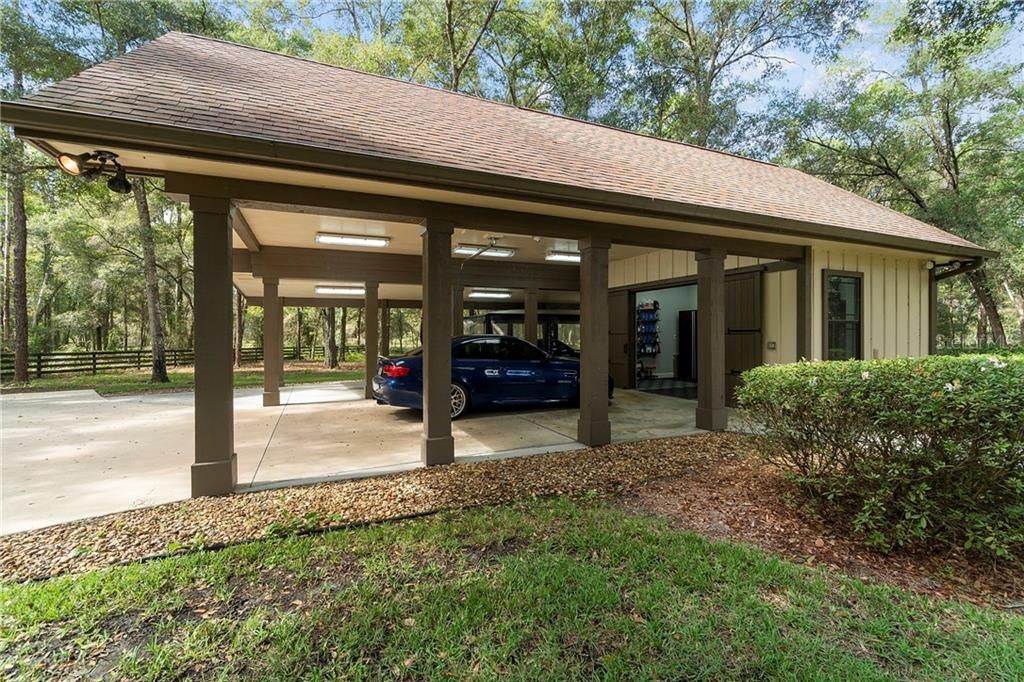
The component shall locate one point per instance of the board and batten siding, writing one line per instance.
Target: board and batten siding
(895, 297)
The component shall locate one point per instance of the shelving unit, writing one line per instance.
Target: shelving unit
(648, 341)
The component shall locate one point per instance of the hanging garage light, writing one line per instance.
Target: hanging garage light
(563, 256)
(340, 290)
(490, 251)
(490, 293)
(337, 239)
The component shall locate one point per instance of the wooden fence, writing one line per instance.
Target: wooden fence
(92, 362)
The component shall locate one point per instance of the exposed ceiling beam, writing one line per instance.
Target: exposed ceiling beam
(243, 230)
(393, 268)
(273, 196)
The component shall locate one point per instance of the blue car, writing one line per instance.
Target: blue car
(486, 370)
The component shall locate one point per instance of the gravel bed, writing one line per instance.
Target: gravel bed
(215, 521)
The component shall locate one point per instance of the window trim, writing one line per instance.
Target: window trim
(859, 276)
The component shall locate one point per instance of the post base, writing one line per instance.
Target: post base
(271, 398)
(435, 451)
(215, 478)
(712, 419)
(594, 433)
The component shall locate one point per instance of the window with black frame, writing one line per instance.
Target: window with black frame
(843, 312)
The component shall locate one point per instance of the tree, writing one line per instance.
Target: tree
(696, 57)
(158, 373)
(240, 308)
(327, 320)
(446, 35)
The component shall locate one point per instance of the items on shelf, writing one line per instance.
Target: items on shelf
(648, 341)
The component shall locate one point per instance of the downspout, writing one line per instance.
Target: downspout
(956, 268)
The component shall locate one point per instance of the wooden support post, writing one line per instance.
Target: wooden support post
(594, 427)
(371, 323)
(216, 467)
(711, 410)
(438, 445)
(933, 312)
(804, 314)
(530, 327)
(458, 307)
(385, 331)
(273, 343)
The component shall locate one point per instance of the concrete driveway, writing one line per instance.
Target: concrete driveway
(75, 454)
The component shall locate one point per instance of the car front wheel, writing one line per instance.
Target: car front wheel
(460, 401)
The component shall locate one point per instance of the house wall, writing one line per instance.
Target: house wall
(895, 296)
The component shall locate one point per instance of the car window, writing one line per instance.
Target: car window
(480, 349)
(519, 350)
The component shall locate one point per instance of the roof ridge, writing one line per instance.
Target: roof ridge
(528, 110)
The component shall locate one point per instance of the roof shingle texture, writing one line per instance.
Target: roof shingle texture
(210, 85)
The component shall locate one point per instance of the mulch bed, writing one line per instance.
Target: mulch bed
(216, 521)
(741, 499)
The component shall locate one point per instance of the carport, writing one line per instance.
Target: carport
(271, 152)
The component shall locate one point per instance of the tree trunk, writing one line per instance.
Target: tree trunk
(240, 306)
(17, 180)
(983, 291)
(7, 270)
(1017, 301)
(344, 332)
(327, 317)
(158, 374)
(298, 333)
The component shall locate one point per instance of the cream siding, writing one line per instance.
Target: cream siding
(895, 296)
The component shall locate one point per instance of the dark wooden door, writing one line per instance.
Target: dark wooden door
(742, 327)
(620, 320)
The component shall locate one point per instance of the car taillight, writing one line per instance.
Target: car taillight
(396, 371)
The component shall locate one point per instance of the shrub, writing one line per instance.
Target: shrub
(912, 451)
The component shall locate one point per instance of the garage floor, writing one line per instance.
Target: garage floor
(74, 454)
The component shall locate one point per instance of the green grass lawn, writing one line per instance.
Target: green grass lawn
(183, 379)
(552, 589)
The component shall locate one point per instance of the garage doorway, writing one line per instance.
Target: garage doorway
(654, 332)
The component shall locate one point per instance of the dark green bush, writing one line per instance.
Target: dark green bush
(1000, 351)
(912, 451)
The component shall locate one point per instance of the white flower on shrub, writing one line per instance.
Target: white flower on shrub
(813, 382)
(997, 363)
(865, 375)
(953, 386)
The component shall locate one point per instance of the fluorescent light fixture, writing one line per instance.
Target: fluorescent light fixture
(490, 293)
(340, 290)
(351, 240)
(483, 250)
(563, 256)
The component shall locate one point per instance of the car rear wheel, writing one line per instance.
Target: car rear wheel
(460, 401)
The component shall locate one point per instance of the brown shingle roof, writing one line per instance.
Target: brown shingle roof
(210, 85)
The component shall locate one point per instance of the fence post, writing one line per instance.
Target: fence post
(94, 362)
(138, 359)
(39, 364)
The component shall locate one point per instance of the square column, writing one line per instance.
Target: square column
(438, 446)
(804, 313)
(385, 331)
(458, 307)
(530, 316)
(372, 325)
(711, 411)
(593, 427)
(216, 466)
(273, 343)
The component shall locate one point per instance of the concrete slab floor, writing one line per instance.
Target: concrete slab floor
(75, 454)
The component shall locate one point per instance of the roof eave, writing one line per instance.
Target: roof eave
(34, 121)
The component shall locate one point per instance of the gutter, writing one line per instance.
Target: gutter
(39, 122)
(959, 268)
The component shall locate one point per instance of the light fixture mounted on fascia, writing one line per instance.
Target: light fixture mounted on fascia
(563, 256)
(488, 250)
(78, 165)
(488, 292)
(340, 290)
(337, 239)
